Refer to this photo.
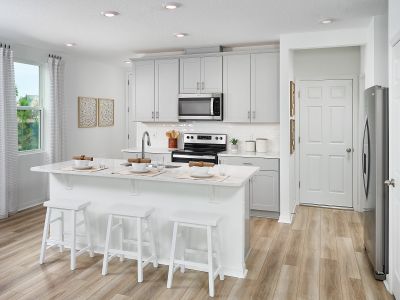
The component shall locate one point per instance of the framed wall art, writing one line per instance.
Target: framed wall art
(292, 98)
(105, 112)
(292, 136)
(87, 112)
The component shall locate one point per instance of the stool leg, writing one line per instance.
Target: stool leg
(106, 246)
(139, 250)
(172, 256)
(73, 242)
(121, 238)
(210, 262)
(218, 253)
(183, 243)
(88, 234)
(152, 243)
(44, 238)
(62, 230)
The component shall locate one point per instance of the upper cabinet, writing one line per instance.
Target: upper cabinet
(251, 88)
(264, 87)
(201, 75)
(237, 88)
(155, 90)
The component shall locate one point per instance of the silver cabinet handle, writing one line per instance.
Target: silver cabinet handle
(348, 150)
(152, 114)
(158, 115)
(202, 85)
(247, 164)
(198, 85)
(254, 114)
(390, 182)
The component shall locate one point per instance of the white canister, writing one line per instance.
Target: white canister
(250, 146)
(262, 145)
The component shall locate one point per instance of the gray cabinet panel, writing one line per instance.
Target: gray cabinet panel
(265, 191)
(144, 91)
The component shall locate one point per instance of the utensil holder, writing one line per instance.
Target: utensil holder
(172, 143)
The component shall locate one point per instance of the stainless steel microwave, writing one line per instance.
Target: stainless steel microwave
(200, 107)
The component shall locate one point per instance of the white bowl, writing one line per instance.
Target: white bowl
(199, 171)
(81, 163)
(138, 167)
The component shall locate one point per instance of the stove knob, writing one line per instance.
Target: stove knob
(220, 138)
(191, 137)
(216, 138)
(188, 137)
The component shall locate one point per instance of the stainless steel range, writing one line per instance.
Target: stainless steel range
(200, 147)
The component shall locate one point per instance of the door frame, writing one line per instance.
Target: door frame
(356, 184)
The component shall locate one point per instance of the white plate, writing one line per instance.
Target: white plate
(201, 175)
(82, 168)
(139, 172)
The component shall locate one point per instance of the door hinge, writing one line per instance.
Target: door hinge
(299, 184)
(129, 82)
(128, 136)
(299, 140)
(128, 108)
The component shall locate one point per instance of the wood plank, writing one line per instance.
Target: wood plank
(329, 282)
(286, 288)
(328, 241)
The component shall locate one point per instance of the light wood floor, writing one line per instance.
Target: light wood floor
(319, 256)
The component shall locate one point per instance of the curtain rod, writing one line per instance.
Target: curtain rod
(55, 56)
(5, 46)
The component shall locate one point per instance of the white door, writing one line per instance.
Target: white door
(326, 142)
(394, 171)
(237, 88)
(264, 87)
(190, 75)
(144, 91)
(211, 74)
(167, 90)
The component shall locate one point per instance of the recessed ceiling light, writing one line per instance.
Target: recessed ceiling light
(109, 14)
(326, 21)
(70, 44)
(127, 62)
(180, 34)
(172, 5)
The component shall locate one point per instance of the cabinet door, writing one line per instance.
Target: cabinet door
(144, 91)
(265, 191)
(190, 75)
(236, 79)
(211, 74)
(264, 87)
(167, 90)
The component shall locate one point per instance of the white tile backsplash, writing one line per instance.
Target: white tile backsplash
(241, 131)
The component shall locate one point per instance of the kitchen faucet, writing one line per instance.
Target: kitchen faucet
(148, 141)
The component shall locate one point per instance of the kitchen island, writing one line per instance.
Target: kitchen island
(169, 191)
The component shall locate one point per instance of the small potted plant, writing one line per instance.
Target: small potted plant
(234, 144)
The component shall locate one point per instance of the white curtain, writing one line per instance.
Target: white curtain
(54, 108)
(8, 134)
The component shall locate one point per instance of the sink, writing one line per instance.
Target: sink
(171, 166)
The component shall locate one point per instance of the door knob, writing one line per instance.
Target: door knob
(389, 182)
(348, 150)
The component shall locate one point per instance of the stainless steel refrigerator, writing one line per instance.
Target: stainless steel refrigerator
(375, 170)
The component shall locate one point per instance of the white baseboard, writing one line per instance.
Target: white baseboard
(30, 204)
(285, 218)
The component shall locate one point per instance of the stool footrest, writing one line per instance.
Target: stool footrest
(196, 265)
(134, 242)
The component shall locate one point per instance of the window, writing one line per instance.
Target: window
(29, 106)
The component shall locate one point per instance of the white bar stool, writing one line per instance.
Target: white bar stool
(123, 211)
(72, 207)
(206, 221)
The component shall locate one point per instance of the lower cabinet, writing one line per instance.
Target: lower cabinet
(264, 186)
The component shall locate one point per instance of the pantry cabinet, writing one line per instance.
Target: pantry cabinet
(155, 90)
(201, 75)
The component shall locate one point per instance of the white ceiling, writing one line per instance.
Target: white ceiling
(145, 26)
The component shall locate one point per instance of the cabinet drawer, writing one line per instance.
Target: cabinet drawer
(265, 164)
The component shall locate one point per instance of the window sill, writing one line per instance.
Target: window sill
(31, 152)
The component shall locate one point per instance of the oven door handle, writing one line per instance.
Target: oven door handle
(212, 106)
(193, 156)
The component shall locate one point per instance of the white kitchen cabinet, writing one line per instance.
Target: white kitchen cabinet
(236, 74)
(156, 88)
(264, 187)
(264, 87)
(201, 75)
(144, 90)
(166, 90)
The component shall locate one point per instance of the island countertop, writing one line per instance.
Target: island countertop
(236, 175)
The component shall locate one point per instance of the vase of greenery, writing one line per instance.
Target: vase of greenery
(234, 144)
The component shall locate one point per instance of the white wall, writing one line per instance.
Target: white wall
(94, 79)
(241, 131)
(83, 77)
(394, 21)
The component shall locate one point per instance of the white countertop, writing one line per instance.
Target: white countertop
(250, 154)
(149, 150)
(237, 175)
